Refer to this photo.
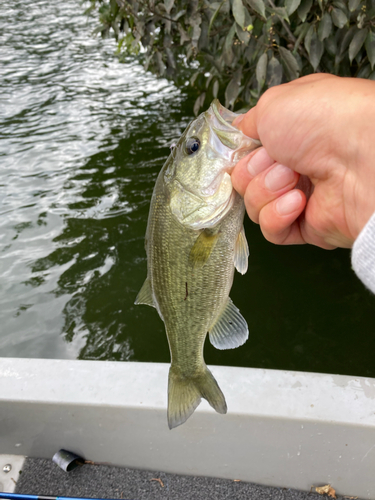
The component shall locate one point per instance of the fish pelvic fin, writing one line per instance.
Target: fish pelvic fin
(185, 393)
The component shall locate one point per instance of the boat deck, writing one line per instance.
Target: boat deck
(43, 477)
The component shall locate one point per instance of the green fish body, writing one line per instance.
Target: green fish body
(194, 240)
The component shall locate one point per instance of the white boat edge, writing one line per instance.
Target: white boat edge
(283, 428)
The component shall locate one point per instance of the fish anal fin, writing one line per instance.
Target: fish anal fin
(145, 295)
(202, 248)
(241, 252)
(185, 393)
(230, 330)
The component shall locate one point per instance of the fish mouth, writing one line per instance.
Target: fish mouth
(236, 143)
(224, 115)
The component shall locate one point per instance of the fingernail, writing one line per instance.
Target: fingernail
(237, 120)
(278, 178)
(289, 203)
(259, 162)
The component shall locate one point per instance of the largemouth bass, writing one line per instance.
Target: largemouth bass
(194, 240)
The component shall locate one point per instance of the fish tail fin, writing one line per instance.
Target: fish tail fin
(185, 393)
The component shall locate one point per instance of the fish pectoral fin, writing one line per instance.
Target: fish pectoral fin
(202, 248)
(185, 393)
(241, 252)
(145, 295)
(230, 330)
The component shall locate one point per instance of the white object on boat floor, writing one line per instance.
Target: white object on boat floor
(10, 467)
(287, 429)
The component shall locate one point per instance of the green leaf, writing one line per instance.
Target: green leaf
(208, 81)
(274, 72)
(203, 42)
(160, 64)
(304, 9)
(356, 43)
(251, 51)
(214, 15)
(229, 38)
(280, 12)
(261, 70)
(194, 77)
(243, 36)
(339, 18)
(195, 22)
(215, 88)
(340, 4)
(199, 103)
(291, 6)
(290, 63)
(365, 71)
(239, 12)
(308, 38)
(370, 48)
(304, 28)
(345, 41)
(258, 6)
(258, 28)
(233, 89)
(330, 45)
(353, 4)
(170, 58)
(178, 14)
(316, 50)
(248, 20)
(325, 27)
(168, 4)
(228, 52)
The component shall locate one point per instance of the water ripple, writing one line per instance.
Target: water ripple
(78, 132)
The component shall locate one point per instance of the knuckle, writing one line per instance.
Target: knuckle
(272, 228)
(268, 96)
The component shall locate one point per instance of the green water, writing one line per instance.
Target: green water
(82, 140)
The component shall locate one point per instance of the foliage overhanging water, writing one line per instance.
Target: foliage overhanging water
(83, 138)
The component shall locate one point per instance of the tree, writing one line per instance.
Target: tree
(239, 48)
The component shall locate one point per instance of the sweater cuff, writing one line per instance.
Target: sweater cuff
(363, 254)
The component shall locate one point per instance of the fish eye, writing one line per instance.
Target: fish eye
(192, 145)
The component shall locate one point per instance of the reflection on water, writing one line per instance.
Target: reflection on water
(83, 138)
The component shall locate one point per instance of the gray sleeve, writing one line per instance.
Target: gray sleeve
(363, 254)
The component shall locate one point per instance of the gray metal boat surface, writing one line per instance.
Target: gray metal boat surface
(285, 429)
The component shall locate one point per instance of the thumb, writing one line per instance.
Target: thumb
(247, 123)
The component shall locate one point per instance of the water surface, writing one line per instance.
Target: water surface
(82, 140)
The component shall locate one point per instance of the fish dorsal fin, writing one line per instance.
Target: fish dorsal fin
(241, 252)
(230, 330)
(145, 295)
(202, 248)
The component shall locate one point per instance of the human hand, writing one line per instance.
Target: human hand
(313, 181)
